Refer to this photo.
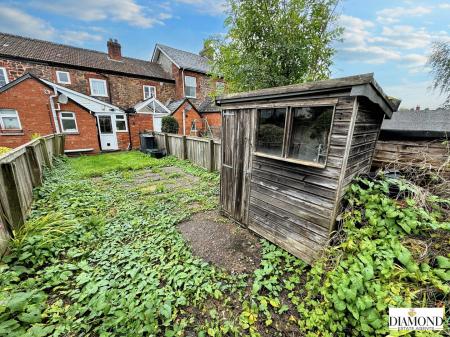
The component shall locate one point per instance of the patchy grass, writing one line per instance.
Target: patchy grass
(101, 255)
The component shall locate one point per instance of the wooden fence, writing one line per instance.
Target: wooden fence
(429, 155)
(202, 152)
(20, 171)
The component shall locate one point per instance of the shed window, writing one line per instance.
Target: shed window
(149, 91)
(98, 87)
(3, 77)
(68, 122)
(121, 124)
(9, 120)
(270, 134)
(295, 134)
(63, 77)
(190, 86)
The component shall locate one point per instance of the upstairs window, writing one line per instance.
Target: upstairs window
(297, 134)
(3, 77)
(121, 123)
(63, 77)
(68, 122)
(98, 87)
(149, 92)
(9, 120)
(190, 86)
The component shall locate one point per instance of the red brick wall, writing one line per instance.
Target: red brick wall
(191, 115)
(139, 123)
(87, 136)
(31, 100)
(125, 91)
(214, 118)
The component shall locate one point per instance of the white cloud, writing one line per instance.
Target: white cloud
(212, 7)
(444, 6)
(392, 15)
(77, 37)
(115, 10)
(15, 21)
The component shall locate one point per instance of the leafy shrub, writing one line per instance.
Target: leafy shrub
(169, 124)
(351, 288)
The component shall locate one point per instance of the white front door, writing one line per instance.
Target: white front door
(157, 123)
(107, 132)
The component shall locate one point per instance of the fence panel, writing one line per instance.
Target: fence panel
(20, 171)
(197, 151)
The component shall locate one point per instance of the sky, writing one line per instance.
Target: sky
(390, 38)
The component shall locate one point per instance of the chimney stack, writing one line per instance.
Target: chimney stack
(114, 50)
(418, 108)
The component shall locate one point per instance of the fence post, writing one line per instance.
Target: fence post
(183, 148)
(33, 164)
(63, 143)
(12, 194)
(211, 155)
(166, 143)
(47, 160)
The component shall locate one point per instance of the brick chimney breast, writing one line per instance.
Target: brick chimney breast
(114, 50)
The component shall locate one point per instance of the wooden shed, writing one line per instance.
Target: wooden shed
(288, 154)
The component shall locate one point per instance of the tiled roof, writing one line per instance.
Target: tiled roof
(422, 120)
(208, 105)
(44, 51)
(174, 105)
(186, 60)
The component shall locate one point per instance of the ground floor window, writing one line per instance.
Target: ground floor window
(9, 120)
(121, 123)
(68, 122)
(295, 133)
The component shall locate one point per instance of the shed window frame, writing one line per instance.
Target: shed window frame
(58, 73)
(73, 117)
(287, 136)
(5, 76)
(10, 113)
(98, 80)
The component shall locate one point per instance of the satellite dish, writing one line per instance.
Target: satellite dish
(62, 99)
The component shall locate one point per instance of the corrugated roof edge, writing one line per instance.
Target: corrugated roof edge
(317, 86)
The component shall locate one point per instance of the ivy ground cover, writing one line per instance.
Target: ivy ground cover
(101, 255)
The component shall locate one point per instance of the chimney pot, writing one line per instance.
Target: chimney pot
(114, 49)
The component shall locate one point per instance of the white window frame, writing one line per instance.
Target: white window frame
(149, 86)
(5, 74)
(124, 119)
(74, 117)
(58, 73)
(92, 80)
(13, 113)
(195, 80)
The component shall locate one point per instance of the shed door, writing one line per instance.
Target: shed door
(236, 159)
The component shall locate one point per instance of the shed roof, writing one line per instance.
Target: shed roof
(183, 59)
(419, 123)
(358, 85)
(44, 51)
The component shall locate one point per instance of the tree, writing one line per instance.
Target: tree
(275, 42)
(169, 124)
(440, 68)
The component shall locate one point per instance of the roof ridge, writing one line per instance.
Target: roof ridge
(55, 43)
(184, 51)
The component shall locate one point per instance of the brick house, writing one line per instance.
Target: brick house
(120, 81)
(90, 125)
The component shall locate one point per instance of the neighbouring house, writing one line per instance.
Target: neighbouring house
(289, 153)
(190, 122)
(123, 82)
(30, 106)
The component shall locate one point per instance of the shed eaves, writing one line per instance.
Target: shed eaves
(186, 60)
(44, 51)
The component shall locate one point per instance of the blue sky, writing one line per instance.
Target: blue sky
(390, 38)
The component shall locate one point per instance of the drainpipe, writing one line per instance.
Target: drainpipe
(184, 121)
(52, 107)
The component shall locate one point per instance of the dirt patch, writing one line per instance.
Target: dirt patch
(221, 242)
